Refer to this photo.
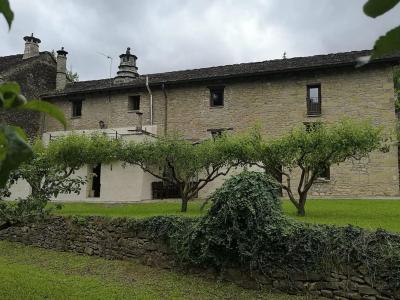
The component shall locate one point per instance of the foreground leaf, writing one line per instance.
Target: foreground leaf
(13, 150)
(387, 44)
(375, 8)
(6, 11)
(46, 107)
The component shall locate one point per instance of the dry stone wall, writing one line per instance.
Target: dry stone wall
(128, 239)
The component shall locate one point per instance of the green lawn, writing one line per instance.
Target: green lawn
(33, 273)
(369, 214)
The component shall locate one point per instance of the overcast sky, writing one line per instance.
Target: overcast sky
(171, 35)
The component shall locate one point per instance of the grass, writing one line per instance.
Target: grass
(32, 273)
(370, 214)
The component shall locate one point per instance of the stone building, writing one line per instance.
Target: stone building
(199, 103)
(35, 71)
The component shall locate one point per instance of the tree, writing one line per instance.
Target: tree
(50, 171)
(178, 161)
(310, 150)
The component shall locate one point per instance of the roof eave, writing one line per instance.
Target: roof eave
(218, 77)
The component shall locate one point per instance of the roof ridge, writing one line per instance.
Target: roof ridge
(241, 64)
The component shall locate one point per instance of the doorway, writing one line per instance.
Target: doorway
(96, 176)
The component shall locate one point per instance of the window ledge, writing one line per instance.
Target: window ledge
(322, 180)
(76, 117)
(216, 107)
(313, 116)
(134, 111)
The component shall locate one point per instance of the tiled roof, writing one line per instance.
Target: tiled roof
(228, 71)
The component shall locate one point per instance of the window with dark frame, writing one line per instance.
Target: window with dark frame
(314, 99)
(76, 108)
(134, 103)
(216, 96)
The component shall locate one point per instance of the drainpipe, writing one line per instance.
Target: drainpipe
(165, 109)
(151, 100)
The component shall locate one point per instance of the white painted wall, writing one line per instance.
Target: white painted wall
(118, 183)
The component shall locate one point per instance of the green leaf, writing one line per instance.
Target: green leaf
(388, 43)
(46, 107)
(6, 11)
(375, 8)
(14, 150)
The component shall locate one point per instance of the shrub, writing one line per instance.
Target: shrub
(244, 210)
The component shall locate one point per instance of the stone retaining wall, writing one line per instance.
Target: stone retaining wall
(128, 240)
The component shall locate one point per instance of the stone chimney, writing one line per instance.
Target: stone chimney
(31, 47)
(127, 67)
(61, 80)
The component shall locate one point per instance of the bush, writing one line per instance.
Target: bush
(244, 212)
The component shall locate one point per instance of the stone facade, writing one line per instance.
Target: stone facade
(277, 103)
(129, 240)
(36, 75)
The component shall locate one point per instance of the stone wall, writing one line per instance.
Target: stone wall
(129, 240)
(36, 76)
(277, 103)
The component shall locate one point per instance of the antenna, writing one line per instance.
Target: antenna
(108, 57)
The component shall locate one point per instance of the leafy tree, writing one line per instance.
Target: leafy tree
(178, 161)
(50, 171)
(310, 150)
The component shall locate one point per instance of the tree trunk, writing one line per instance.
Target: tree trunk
(301, 210)
(184, 204)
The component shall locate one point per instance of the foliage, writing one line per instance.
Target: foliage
(6, 11)
(390, 42)
(247, 230)
(76, 150)
(396, 82)
(72, 76)
(178, 161)
(50, 172)
(46, 177)
(310, 150)
(242, 209)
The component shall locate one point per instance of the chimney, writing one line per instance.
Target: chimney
(127, 67)
(31, 47)
(61, 79)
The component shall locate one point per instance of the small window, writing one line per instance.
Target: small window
(324, 173)
(76, 108)
(218, 132)
(134, 103)
(216, 96)
(314, 100)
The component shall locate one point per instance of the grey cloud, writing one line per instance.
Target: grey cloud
(177, 34)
